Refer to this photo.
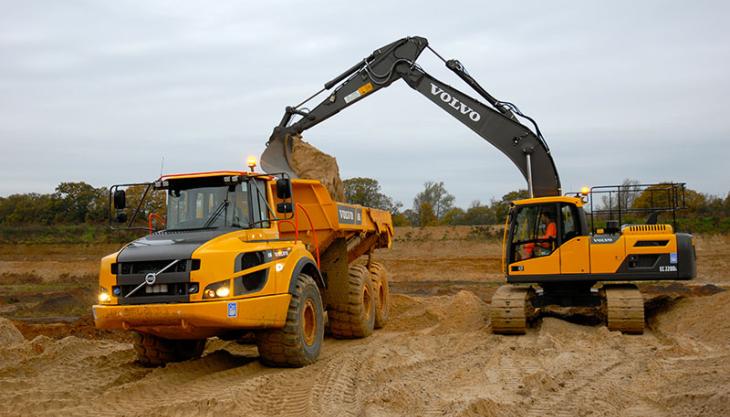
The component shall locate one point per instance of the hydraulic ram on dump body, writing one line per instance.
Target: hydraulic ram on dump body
(497, 124)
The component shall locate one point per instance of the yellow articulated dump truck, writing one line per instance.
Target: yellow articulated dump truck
(243, 253)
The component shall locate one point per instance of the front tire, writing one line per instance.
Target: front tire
(153, 351)
(298, 343)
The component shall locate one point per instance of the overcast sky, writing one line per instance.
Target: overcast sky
(102, 91)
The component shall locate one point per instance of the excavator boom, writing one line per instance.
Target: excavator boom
(497, 123)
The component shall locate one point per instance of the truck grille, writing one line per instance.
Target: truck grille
(156, 290)
(171, 286)
(144, 267)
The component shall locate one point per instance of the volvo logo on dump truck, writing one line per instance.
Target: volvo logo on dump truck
(349, 215)
(454, 102)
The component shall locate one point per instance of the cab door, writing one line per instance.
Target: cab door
(575, 247)
(531, 252)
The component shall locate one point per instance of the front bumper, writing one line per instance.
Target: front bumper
(195, 320)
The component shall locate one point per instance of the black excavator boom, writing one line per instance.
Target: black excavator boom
(497, 124)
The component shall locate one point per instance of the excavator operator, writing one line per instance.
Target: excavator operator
(545, 242)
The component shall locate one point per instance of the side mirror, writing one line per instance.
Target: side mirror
(121, 217)
(120, 200)
(283, 190)
(284, 208)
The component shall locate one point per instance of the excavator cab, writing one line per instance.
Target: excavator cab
(539, 228)
(549, 245)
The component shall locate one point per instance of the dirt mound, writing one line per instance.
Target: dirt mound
(702, 318)
(462, 312)
(82, 327)
(309, 162)
(9, 335)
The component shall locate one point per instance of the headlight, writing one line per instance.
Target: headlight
(218, 289)
(104, 296)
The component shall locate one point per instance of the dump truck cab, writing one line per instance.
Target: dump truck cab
(237, 248)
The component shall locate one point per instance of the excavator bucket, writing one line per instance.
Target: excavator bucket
(277, 156)
(292, 155)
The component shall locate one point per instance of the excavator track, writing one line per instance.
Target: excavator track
(511, 309)
(624, 308)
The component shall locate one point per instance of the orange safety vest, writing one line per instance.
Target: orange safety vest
(551, 231)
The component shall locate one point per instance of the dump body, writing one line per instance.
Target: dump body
(321, 221)
(257, 265)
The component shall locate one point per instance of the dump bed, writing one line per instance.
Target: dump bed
(319, 220)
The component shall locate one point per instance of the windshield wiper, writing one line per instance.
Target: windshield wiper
(189, 229)
(216, 213)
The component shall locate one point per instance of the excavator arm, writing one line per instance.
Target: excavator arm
(497, 124)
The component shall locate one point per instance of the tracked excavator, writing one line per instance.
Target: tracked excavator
(551, 256)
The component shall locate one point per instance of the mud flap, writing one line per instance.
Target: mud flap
(335, 267)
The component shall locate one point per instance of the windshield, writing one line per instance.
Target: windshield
(202, 207)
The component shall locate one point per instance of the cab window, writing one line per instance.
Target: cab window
(241, 208)
(260, 209)
(570, 223)
(194, 205)
(535, 232)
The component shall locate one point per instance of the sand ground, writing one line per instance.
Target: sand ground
(437, 355)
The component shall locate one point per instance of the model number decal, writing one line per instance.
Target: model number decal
(667, 268)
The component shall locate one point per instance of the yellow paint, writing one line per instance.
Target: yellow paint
(632, 239)
(575, 256)
(106, 278)
(505, 236)
(541, 265)
(194, 320)
(365, 89)
(648, 229)
(575, 201)
(606, 257)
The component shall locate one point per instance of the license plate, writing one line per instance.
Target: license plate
(154, 289)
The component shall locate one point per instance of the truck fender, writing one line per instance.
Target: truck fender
(307, 266)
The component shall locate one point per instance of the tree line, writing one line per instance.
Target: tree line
(434, 205)
(74, 203)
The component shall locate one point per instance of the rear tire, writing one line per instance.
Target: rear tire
(354, 317)
(153, 351)
(382, 293)
(298, 343)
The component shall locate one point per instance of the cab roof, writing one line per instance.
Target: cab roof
(209, 174)
(577, 201)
